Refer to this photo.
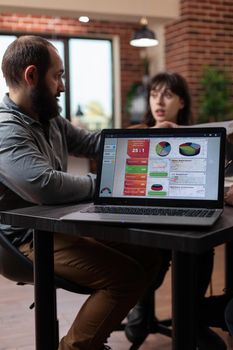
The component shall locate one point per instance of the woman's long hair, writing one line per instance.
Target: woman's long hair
(178, 85)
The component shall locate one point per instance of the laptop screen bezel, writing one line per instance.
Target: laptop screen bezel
(181, 131)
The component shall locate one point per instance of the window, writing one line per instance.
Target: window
(91, 82)
(88, 99)
(61, 50)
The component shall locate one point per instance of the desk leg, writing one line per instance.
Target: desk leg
(184, 318)
(229, 266)
(44, 290)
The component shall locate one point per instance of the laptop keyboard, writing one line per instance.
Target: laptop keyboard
(151, 211)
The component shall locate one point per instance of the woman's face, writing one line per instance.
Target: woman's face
(164, 104)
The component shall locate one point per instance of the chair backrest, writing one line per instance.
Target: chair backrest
(17, 267)
(13, 264)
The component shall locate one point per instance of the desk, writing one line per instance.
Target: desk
(185, 244)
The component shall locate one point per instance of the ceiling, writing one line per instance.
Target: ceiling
(127, 11)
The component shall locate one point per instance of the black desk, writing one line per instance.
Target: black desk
(185, 244)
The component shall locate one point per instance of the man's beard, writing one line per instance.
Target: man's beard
(44, 103)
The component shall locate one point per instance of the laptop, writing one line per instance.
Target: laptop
(171, 176)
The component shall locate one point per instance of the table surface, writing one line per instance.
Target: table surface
(185, 239)
(185, 243)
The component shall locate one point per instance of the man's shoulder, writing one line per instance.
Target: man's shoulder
(8, 114)
(12, 116)
(8, 109)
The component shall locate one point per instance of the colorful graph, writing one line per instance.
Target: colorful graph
(157, 187)
(163, 148)
(189, 149)
(106, 190)
(136, 167)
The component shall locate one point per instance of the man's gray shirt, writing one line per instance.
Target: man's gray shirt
(33, 162)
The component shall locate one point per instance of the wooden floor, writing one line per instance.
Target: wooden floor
(17, 320)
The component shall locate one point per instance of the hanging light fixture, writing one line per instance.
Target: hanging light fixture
(84, 19)
(144, 37)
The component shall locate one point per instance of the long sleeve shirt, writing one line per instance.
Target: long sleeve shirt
(33, 162)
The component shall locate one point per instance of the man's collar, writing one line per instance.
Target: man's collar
(10, 105)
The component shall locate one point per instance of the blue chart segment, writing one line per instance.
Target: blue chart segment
(163, 148)
(189, 149)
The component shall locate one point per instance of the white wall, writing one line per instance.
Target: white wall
(130, 10)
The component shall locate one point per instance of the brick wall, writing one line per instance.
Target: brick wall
(131, 63)
(203, 35)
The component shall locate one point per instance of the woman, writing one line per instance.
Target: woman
(169, 105)
(168, 100)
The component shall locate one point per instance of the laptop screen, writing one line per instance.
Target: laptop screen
(175, 167)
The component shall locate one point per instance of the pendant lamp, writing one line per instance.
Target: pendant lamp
(144, 37)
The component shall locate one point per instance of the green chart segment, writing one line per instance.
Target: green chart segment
(138, 169)
(157, 193)
(158, 174)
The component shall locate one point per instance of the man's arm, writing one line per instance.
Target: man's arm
(80, 142)
(28, 168)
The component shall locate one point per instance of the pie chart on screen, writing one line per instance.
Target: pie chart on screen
(163, 148)
(189, 149)
(156, 187)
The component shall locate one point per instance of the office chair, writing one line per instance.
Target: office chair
(154, 325)
(18, 268)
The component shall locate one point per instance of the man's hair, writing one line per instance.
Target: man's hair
(25, 51)
(178, 85)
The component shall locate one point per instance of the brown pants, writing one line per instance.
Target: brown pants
(118, 273)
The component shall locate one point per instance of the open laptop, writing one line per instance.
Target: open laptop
(169, 176)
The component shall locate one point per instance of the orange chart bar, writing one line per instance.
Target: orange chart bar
(137, 161)
(130, 176)
(136, 184)
(134, 192)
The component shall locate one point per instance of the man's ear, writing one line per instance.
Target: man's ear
(31, 75)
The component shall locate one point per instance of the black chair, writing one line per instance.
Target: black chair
(154, 325)
(18, 268)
